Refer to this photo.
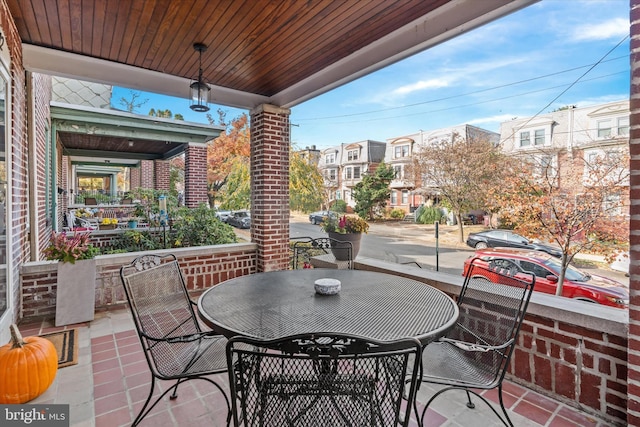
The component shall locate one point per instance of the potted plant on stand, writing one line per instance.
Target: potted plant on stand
(75, 296)
(345, 229)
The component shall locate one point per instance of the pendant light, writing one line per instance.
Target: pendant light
(199, 89)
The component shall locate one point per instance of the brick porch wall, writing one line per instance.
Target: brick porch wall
(134, 178)
(202, 268)
(195, 175)
(147, 174)
(162, 175)
(633, 405)
(573, 352)
(270, 186)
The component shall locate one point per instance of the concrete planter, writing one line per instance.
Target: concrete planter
(339, 251)
(76, 294)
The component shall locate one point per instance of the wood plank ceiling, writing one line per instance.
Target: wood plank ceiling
(260, 47)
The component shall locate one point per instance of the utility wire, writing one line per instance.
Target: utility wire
(469, 93)
(565, 91)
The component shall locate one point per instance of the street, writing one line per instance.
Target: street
(412, 243)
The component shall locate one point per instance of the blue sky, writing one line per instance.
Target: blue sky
(549, 55)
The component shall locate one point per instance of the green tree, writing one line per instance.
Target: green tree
(372, 193)
(236, 194)
(305, 184)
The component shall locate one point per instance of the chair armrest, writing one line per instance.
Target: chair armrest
(183, 338)
(471, 346)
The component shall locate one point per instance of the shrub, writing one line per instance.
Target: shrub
(428, 215)
(397, 213)
(200, 227)
(339, 206)
(134, 241)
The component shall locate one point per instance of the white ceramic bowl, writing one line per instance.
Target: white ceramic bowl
(327, 286)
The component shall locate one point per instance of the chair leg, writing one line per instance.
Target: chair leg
(146, 408)
(506, 421)
(143, 411)
(470, 404)
(504, 410)
(174, 395)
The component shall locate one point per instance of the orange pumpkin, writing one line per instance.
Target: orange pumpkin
(27, 367)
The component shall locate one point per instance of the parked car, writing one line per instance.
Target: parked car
(318, 217)
(507, 239)
(577, 284)
(240, 219)
(223, 215)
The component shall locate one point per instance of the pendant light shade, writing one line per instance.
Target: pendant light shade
(199, 89)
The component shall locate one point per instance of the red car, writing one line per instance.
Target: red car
(577, 284)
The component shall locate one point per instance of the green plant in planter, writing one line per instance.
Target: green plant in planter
(70, 249)
(345, 225)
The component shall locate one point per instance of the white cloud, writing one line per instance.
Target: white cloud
(421, 85)
(491, 119)
(614, 28)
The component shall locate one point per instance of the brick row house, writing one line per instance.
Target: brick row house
(343, 166)
(567, 140)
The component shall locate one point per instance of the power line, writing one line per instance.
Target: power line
(568, 87)
(591, 66)
(455, 107)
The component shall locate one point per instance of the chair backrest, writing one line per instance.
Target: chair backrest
(492, 312)
(322, 379)
(306, 248)
(159, 303)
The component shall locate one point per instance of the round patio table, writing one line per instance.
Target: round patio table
(373, 305)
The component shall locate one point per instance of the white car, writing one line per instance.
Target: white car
(621, 263)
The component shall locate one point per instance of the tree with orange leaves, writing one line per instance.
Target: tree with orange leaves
(579, 208)
(227, 153)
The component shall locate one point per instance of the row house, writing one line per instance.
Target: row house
(567, 142)
(407, 191)
(343, 167)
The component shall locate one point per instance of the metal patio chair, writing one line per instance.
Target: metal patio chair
(475, 353)
(306, 248)
(322, 380)
(175, 346)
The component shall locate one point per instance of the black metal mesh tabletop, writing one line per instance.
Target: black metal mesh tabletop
(282, 303)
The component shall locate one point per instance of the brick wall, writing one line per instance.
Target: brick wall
(147, 174)
(134, 178)
(633, 405)
(202, 268)
(572, 351)
(195, 175)
(270, 186)
(162, 175)
(18, 163)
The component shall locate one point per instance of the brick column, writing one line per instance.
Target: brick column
(146, 174)
(162, 175)
(270, 186)
(633, 363)
(195, 175)
(134, 178)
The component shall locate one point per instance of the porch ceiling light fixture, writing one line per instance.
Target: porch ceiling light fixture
(199, 89)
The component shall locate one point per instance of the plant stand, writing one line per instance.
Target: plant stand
(76, 294)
